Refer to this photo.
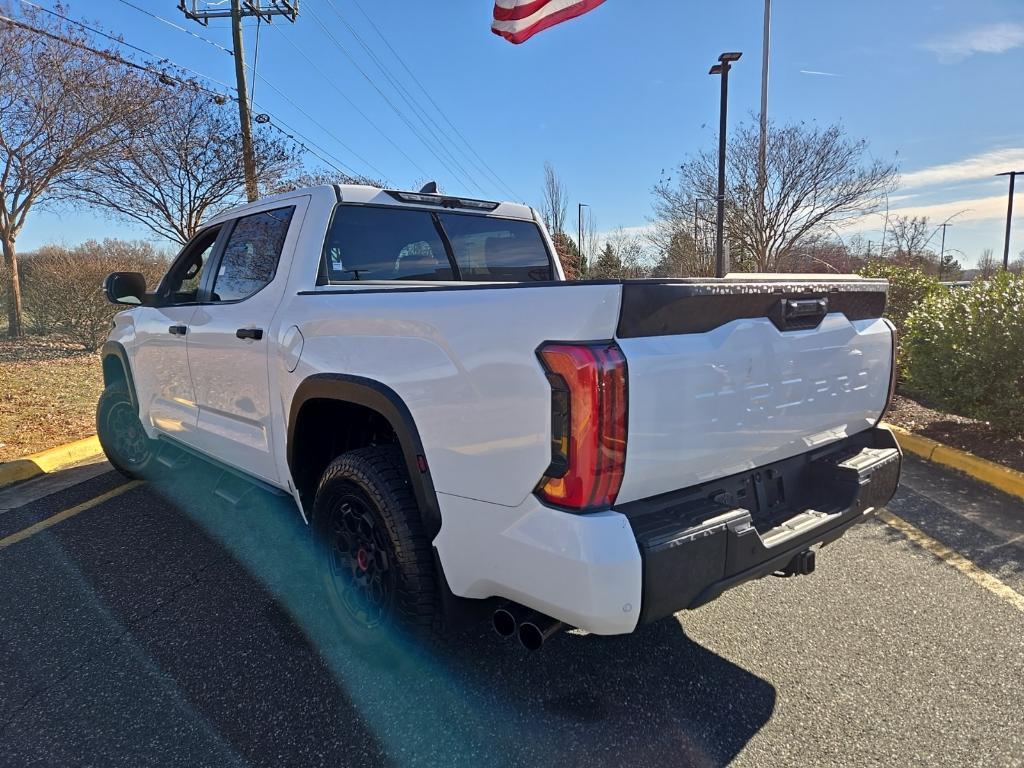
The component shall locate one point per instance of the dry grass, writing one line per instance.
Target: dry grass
(48, 393)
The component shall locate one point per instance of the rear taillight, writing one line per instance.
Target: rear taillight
(588, 424)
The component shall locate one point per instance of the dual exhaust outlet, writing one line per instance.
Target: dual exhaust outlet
(531, 627)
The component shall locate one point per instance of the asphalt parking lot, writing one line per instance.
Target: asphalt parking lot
(162, 627)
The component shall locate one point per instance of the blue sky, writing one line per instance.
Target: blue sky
(614, 97)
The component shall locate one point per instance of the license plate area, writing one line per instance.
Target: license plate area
(761, 492)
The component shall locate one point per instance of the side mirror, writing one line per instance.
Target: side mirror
(125, 288)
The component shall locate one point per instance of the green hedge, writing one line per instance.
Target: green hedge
(964, 350)
(908, 287)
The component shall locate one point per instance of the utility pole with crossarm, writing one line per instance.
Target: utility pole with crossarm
(202, 11)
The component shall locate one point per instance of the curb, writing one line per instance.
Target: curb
(50, 460)
(1005, 479)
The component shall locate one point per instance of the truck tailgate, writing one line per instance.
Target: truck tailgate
(729, 375)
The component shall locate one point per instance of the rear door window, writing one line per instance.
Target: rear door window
(367, 243)
(488, 248)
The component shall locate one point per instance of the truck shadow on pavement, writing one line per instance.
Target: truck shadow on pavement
(653, 696)
(166, 627)
(224, 605)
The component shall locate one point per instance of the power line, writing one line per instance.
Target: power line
(95, 31)
(384, 96)
(320, 125)
(273, 87)
(331, 81)
(164, 77)
(110, 55)
(169, 23)
(425, 119)
(430, 98)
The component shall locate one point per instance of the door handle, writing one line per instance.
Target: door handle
(249, 333)
(178, 330)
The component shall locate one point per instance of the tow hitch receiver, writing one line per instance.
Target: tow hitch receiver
(802, 564)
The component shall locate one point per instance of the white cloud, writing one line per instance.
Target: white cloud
(819, 73)
(989, 38)
(900, 198)
(977, 168)
(639, 230)
(974, 209)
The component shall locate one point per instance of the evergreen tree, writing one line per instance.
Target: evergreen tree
(608, 264)
(569, 256)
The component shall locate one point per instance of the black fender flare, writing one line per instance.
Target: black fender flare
(115, 349)
(385, 401)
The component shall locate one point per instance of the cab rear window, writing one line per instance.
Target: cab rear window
(379, 243)
(496, 249)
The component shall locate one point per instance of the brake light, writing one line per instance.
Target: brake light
(588, 424)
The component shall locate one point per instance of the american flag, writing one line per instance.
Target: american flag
(519, 20)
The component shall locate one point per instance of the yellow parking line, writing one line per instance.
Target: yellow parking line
(60, 517)
(955, 559)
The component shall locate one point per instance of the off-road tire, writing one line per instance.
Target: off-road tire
(126, 444)
(382, 521)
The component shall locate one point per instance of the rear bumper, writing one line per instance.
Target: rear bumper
(605, 572)
(701, 541)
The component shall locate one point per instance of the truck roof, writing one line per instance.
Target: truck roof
(367, 195)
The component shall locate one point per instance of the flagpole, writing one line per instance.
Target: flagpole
(762, 149)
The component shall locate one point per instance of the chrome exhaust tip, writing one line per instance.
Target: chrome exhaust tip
(504, 623)
(536, 629)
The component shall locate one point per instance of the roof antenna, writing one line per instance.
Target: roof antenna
(430, 188)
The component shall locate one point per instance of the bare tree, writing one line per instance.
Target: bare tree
(318, 177)
(817, 178)
(591, 237)
(554, 206)
(633, 251)
(828, 254)
(63, 110)
(625, 255)
(987, 264)
(910, 238)
(63, 286)
(679, 251)
(186, 168)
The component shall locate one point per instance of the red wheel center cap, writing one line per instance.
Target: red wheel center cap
(363, 560)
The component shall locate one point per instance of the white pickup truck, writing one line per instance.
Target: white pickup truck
(464, 429)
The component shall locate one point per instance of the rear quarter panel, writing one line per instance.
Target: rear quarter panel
(464, 362)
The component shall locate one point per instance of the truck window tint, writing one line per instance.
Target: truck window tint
(493, 249)
(251, 255)
(181, 284)
(385, 244)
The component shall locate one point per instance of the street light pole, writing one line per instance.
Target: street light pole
(696, 226)
(942, 248)
(696, 252)
(579, 221)
(1009, 217)
(722, 69)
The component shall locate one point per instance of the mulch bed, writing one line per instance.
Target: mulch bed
(981, 438)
